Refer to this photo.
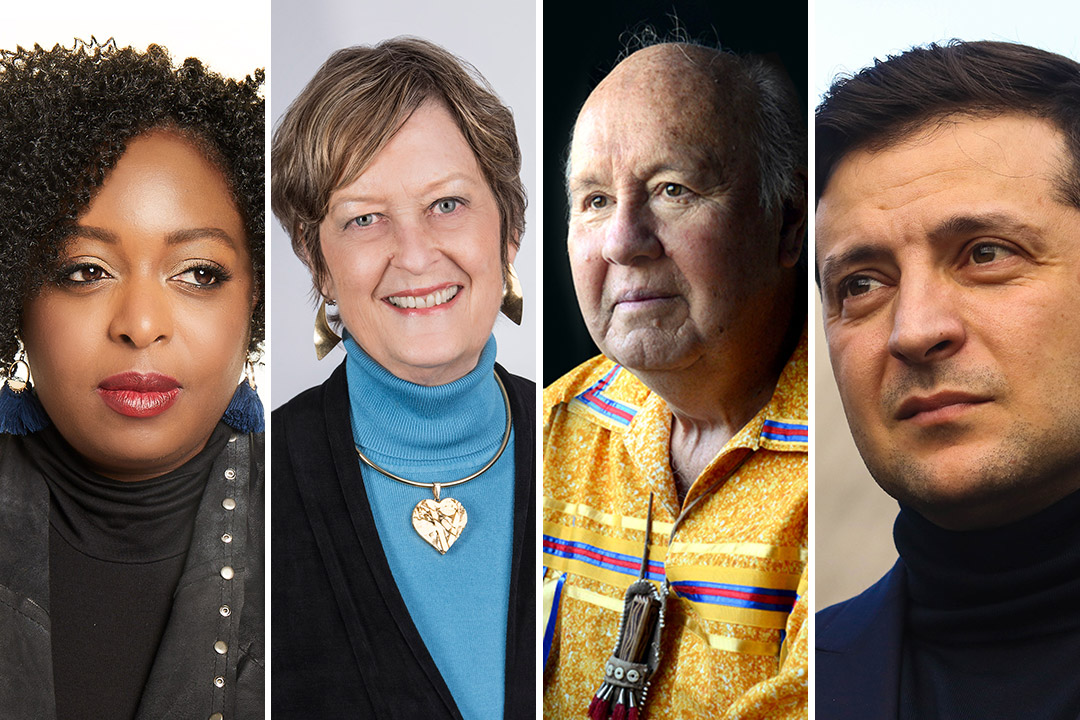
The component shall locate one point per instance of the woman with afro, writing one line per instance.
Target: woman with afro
(131, 303)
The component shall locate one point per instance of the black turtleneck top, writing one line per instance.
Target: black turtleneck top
(116, 553)
(993, 619)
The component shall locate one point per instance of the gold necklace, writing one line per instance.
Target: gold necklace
(440, 521)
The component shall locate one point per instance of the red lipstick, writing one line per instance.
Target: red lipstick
(139, 395)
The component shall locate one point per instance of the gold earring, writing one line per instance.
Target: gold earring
(513, 302)
(325, 337)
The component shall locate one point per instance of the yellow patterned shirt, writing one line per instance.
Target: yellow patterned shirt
(735, 640)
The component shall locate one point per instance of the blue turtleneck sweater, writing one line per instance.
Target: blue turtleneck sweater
(458, 601)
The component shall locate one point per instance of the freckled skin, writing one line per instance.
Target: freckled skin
(680, 274)
(950, 265)
(645, 125)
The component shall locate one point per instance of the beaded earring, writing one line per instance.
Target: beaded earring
(245, 412)
(20, 411)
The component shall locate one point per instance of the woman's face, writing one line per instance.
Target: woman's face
(137, 346)
(412, 248)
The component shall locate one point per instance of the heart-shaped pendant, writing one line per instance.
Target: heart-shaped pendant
(439, 522)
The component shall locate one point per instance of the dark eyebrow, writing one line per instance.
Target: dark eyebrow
(833, 265)
(95, 233)
(174, 238)
(952, 227)
(991, 222)
(205, 233)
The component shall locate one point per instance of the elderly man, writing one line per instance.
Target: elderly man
(949, 260)
(687, 194)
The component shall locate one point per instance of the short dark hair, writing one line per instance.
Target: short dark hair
(887, 101)
(66, 116)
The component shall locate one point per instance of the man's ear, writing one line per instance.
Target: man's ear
(793, 224)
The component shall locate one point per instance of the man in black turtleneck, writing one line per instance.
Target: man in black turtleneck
(948, 259)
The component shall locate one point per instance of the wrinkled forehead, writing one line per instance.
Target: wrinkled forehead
(1003, 155)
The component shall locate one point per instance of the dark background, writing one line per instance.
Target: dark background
(582, 43)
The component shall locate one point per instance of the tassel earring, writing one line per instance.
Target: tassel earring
(245, 412)
(20, 411)
(325, 337)
(513, 302)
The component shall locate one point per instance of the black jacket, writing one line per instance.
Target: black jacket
(858, 652)
(344, 645)
(181, 683)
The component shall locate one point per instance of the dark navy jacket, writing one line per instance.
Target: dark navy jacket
(858, 653)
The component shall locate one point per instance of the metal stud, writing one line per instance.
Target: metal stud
(230, 474)
(221, 647)
(219, 681)
(228, 504)
(233, 437)
(227, 572)
(225, 611)
(226, 538)
(217, 716)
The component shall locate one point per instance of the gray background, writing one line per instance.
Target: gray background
(500, 40)
(853, 528)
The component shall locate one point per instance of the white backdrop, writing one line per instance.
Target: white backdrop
(499, 39)
(853, 529)
(232, 38)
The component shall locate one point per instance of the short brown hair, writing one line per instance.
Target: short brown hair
(348, 112)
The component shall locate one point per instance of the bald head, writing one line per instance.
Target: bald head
(735, 105)
(677, 259)
(696, 94)
(700, 77)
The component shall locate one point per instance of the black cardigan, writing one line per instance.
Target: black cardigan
(343, 642)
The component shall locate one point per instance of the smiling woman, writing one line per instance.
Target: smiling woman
(396, 173)
(422, 301)
(131, 237)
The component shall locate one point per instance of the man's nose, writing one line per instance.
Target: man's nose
(927, 322)
(414, 247)
(630, 235)
(142, 314)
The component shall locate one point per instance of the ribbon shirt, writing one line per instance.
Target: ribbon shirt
(735, 636)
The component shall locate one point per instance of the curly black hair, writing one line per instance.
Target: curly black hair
(66, 115)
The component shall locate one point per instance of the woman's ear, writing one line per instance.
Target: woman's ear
(511, 249)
